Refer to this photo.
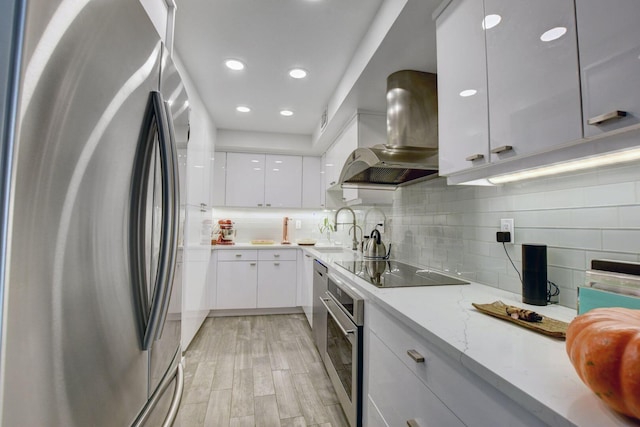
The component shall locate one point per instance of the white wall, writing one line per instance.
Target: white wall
(265, 142)
(157, 11)
(580, 217)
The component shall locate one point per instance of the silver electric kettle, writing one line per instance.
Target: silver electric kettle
(375, 248)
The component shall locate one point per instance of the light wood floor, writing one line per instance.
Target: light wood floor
(257, 371)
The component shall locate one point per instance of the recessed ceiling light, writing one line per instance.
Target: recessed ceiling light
(553, 34)
(468, 92)
(234, 64)
(298, 73)
(286, 113)
(243, 109)
(491, 21)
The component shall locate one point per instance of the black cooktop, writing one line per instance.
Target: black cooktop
(395, 274)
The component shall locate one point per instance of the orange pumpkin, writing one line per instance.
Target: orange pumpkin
(604, 347)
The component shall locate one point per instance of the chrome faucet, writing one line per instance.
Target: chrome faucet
(354, 246)
(355, 229)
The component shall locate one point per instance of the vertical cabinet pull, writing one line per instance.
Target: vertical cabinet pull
(417, 357)
(613, 115)
(473, 157)
(412, 423)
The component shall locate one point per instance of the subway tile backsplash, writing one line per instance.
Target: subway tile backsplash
(581, 216)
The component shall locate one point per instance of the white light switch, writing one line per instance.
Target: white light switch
(298, 224)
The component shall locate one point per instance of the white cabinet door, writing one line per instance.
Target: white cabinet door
(283, 181)
(311, 182)
(609, 43)
(399, 395)
(532, 69)
(218, 178)
(463, 120)
(236, 284)
(277, 284)
(346, 144)
(245, 180)
(197, 170)
(307, 286)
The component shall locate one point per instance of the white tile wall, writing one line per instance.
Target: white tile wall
(582, 216)
(253, 224)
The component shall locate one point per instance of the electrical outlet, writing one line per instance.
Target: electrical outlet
(507, 225)
(298, 224)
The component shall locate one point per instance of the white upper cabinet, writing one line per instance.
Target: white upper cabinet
(245, 180)
(463, 121)
(557, 72)
(532, 69)
(609, 43)
(259, 180)
(218, 178)
(283, 181)
(311, 182)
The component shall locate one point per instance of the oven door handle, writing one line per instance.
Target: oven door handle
(345, 331)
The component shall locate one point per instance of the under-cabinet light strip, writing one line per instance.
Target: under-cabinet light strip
(570, 166)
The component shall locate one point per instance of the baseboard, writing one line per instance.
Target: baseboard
(255, 311)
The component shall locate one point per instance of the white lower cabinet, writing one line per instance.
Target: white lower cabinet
(248, 279)
(375, 417)
(307, 286)
(237, 284)
(399, 395)
(437, 391)
(277, 284)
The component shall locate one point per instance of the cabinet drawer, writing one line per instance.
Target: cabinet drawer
(374, 418)
(399, 395)
(472, 399)
(277, 255)
(238, 255)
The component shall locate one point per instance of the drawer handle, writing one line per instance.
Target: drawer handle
(417, 357)
(503, 149)
(252, 263)
(332, 183)
(276, 263)
(276, 255)
(606, 117)
(412, 423)
(473, 157)
(238, 255)
(259, 204)
(268, 204)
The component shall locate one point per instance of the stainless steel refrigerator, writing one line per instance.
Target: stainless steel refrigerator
(89, 210)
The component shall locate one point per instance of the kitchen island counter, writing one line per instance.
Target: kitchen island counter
(531, 369)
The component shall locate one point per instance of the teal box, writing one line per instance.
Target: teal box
(590, 298)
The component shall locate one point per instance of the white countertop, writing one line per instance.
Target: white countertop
(533, 369)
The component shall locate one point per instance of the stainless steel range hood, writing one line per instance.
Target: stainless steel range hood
(411, 152)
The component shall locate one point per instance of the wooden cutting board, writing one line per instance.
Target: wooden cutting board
(548, 326)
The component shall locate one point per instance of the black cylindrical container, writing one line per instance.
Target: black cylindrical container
(534, 274)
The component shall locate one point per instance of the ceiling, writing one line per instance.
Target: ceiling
(273, 36)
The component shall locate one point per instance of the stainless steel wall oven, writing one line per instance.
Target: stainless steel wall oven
(343, 354)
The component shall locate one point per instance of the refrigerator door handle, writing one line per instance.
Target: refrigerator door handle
(149, 315)
(177, 398)
(172, 152)
(169, 420)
